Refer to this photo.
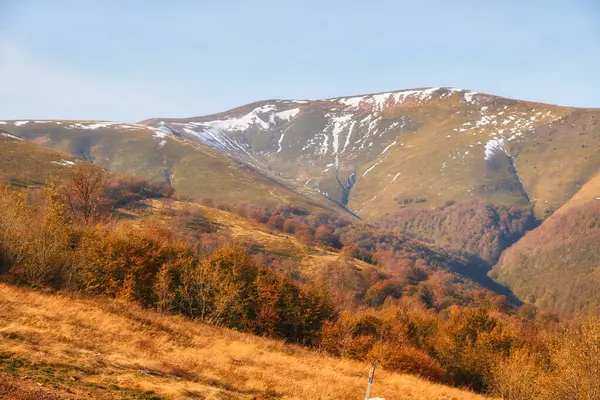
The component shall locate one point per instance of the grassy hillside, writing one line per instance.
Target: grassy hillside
(557, 265)
(193, 169)
(24, 163)
(434, 144)
(74, 349)
(409, 313)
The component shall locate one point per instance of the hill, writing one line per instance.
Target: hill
(67, 348)
(195, 170)
(24, 163)
(409, 312)
(557, 266)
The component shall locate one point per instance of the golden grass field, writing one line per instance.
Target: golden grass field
(56, 346)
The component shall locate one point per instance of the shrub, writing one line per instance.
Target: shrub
(405, 359)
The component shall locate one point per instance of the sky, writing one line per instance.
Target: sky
(130, 60)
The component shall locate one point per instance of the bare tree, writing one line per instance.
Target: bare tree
(83, 194)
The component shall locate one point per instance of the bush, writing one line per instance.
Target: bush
(409, 360)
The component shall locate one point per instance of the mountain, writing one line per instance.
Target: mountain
(377, 153)
(196, 170)
(397, 156)
(462, 170)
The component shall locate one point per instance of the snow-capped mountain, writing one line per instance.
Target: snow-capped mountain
(373, 154)
(439, 144)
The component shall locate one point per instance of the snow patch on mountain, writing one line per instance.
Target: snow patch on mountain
(164, 129)
(264, 116)
(469, 96)
(388, 146)
(337, 124)
(8, 135)
(284, 115)
(379, 101)
(162, 135)
(502, 124)
(92, 125)
(493, 147)
(348, 136)
(20, 123)
(64, 163)
(371, 168)
(450, 92)
(325, 144)
(279, 142)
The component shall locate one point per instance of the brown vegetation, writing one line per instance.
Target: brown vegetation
(106, 349)
(407, 311)
(475, 228)
(556, 266)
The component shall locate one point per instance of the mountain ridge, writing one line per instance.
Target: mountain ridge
(403, 158)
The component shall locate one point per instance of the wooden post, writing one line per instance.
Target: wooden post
(371, 377)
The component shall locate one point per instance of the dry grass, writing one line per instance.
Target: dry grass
(310, 257)
(107, 349)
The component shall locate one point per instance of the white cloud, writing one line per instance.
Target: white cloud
(31, 87)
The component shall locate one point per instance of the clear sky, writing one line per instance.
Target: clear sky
(134, 59)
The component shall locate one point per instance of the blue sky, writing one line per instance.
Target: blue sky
(134, 59)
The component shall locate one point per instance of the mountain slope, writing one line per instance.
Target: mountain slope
(24, 163)
(434, 145)
(557, 265)
(66, 348)
(195, 170)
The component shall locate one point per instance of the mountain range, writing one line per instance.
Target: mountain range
(512, 185)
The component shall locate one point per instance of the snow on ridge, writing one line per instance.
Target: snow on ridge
(468, 96)
(254, 117)
(8, 135)
(492, 147)
(19, 123)
(378, 101)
